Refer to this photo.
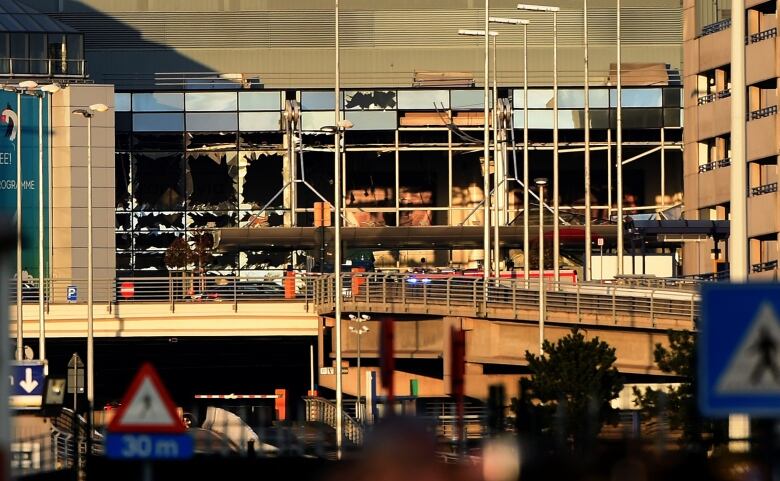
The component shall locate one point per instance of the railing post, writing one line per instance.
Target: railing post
(579, 311)
(403, 292)
(513, 285)
(447, 294)
(693, 307)
(474, 293)
(384, 291)
(235, 294)
(652, 307)
(170, 292)
(614, 314)
(368, 290)
(425, 295)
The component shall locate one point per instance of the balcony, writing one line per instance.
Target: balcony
(714, 118)
(41, 68)
(761, 133)
(715, 46)
(715, 164)
(715, 27)
(714, 96)
(760, 56)
(764, 215)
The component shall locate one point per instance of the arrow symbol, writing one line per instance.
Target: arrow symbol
(28, 383)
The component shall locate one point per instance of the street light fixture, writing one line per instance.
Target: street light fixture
(556, 179)
(499, 169)
(541, 182)
(88, 113)
(486, 145)
(360, 329)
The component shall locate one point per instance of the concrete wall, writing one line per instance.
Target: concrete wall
(69, 185)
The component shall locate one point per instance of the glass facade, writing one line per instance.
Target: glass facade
(193, 160)
(44, 54)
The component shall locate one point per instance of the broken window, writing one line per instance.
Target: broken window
(370, 100)
(261, 140)
(154, 240)
(159, 221)
(211, 141)
(122, 181)
(261, 179)
(207, 219)
(158, 181)
(212, 181)
(123, 221)
(158, 141)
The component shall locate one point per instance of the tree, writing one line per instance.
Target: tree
(576, 378)
(679, 402)
(178, 256)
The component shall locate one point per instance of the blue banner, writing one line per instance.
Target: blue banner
(25, 128)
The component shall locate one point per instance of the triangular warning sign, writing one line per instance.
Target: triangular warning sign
(754, 367)
(147, 407)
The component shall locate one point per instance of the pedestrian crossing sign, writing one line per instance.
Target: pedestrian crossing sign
(147, 407)
(739, 350)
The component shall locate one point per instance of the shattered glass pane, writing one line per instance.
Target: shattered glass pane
(263, 259)
(261, 140)
(122, 181)
(206, 219)
(123, 221)
(261, 179)
(123, 261)
(159, 221)
(154, 240)
(370, 100)
(158, 141)
(123, 240)
(211, 141)
(150, 261)
(212, 179)
(158, 181)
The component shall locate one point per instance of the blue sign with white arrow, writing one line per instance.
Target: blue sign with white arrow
(739, 350)
(27, 383)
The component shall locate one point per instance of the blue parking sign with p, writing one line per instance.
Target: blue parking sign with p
(73, 294)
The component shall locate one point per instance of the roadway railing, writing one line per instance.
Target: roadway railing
(635, 299)
(673, 303)
(321, 410)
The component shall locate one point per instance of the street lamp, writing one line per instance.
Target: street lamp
(88, 113)
(23, 88)
(588, 246)
(541, 182)
(555, 194)
(500, 173)
(486, 145)
(359, 329)
(46, 90)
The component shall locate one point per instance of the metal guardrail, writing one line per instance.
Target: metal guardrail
(715, 164)
(722, 94)
(764, 266)
(764, 189)
(626, 301)
(760, 36)
(715, 27)
(765, 112)
(321, 410)
(42, 67)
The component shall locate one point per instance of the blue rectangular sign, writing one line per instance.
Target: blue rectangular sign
(149, 446)
(739, 350)
(73, 294)
(27, 384)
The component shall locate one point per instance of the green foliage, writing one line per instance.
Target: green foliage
(578, 379)
(679, 403)
(178, 254)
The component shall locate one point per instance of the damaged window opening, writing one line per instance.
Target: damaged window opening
(159, 221)
(149, 261)
(122, 181)
(153, 240)
(204, 219)
(211, 141)
(264, 259)
(211, 181)
(261, 174)
(261, 140)
(319, 174)
(158, 183)
(123, 241)
(123, 221)
(158, 141)
(370, 100)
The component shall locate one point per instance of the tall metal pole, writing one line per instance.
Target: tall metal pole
(526, 240)
(5, 413)
(556, 206)
(41, 273)
(587, 149)
(497, 171)
(90, 292)
(739, 425)
(357, 407)
(19, 310)
(541, 183)
(337, 240)
(619, 151)
(486, 154)
(311, 369)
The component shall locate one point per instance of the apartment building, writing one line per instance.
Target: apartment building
(707, 86)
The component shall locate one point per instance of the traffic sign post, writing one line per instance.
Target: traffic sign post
(28, 379)
(146, 426)
(739, 350)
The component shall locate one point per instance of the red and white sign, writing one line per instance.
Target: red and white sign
(147, 407)
(127, 289)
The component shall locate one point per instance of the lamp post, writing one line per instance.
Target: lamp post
(541, 182)
(619, 150)
(587, 148)
(24, 88)
(555, 194)
(88, 113)
(360, 329)
(337, 238)
(486, 145)
(499, 180)
(46, 90)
